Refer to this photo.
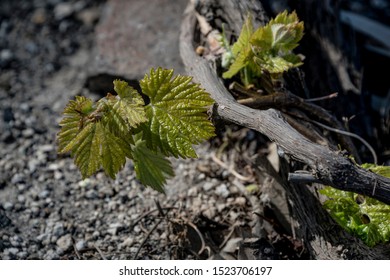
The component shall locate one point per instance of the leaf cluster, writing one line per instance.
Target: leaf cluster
(266, 49)
(103, 134)
(364, 217)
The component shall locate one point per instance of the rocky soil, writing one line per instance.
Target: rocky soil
(51, 51)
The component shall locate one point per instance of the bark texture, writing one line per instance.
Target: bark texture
(323, 238)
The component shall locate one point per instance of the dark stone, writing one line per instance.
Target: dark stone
(8, 115)
(133, 37)
(4, 220)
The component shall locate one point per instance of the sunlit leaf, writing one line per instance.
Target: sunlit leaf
(240, 62)
(268, 48)
(243, 40)
(378, 169)
(103, 134)
(129, 104)
(75, 117)
(151, 167)
(95, 147)
(365, 217)
(176, 112)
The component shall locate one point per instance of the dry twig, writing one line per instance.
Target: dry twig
(230, 169)
(100, 252)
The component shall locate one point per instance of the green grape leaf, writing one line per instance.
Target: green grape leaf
(365, 217)
(176, 112)
(269, 47)
(114, 119)
(242, 42)
(286, 31)
(102, 134)
(281, 33)
(240, 62)
(152, 168)
(91, 140)
(277, 64)
(130, 104)
(273, 43)
(122, 112)
(378, 169)
(75, 115)
(227, 56)
(241, 50)
(95, 147)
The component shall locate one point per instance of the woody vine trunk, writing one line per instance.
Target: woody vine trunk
(323, 238)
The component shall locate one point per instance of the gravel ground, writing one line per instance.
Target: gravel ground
(47, 211)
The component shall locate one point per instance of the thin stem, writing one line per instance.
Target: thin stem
(238, 88)
(330, 96)
(350, 134)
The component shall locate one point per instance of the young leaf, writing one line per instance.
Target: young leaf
(113, 151)
(75, 116)
(281, 33)
(378, 169)
(123, 112)
(152, 168)
(91, 140)
(227, 56)
(114, 119)
(241, 50)
(101, 135)
(286, 30)
(268, 48)
(244, 38)
(95, 147)
(176, 112)
(273, 44)
(240, 62)
(277, 64)
(84, 148)
(129, 104)
(365, 217)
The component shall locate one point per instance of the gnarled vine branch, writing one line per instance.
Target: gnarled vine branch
(311, 223)
(329, 167)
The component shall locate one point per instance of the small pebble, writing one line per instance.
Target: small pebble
(13, 251)
(240, 201)
(91, 194)
(5, 57)
(58, 229)
(43, 194)
(44, 239)
(28, 132)
(51, 255)
(208, 186)
(80, 245)
(58, 175)
(127, 242)
(84, 183)
(22, 255)
(39, 16)
(21, 198)
(222, 190)
(65, 242)
(17, 178)
(192, 191)
(8, 206)
(63, 10)
(16, 241)
(53, 166)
